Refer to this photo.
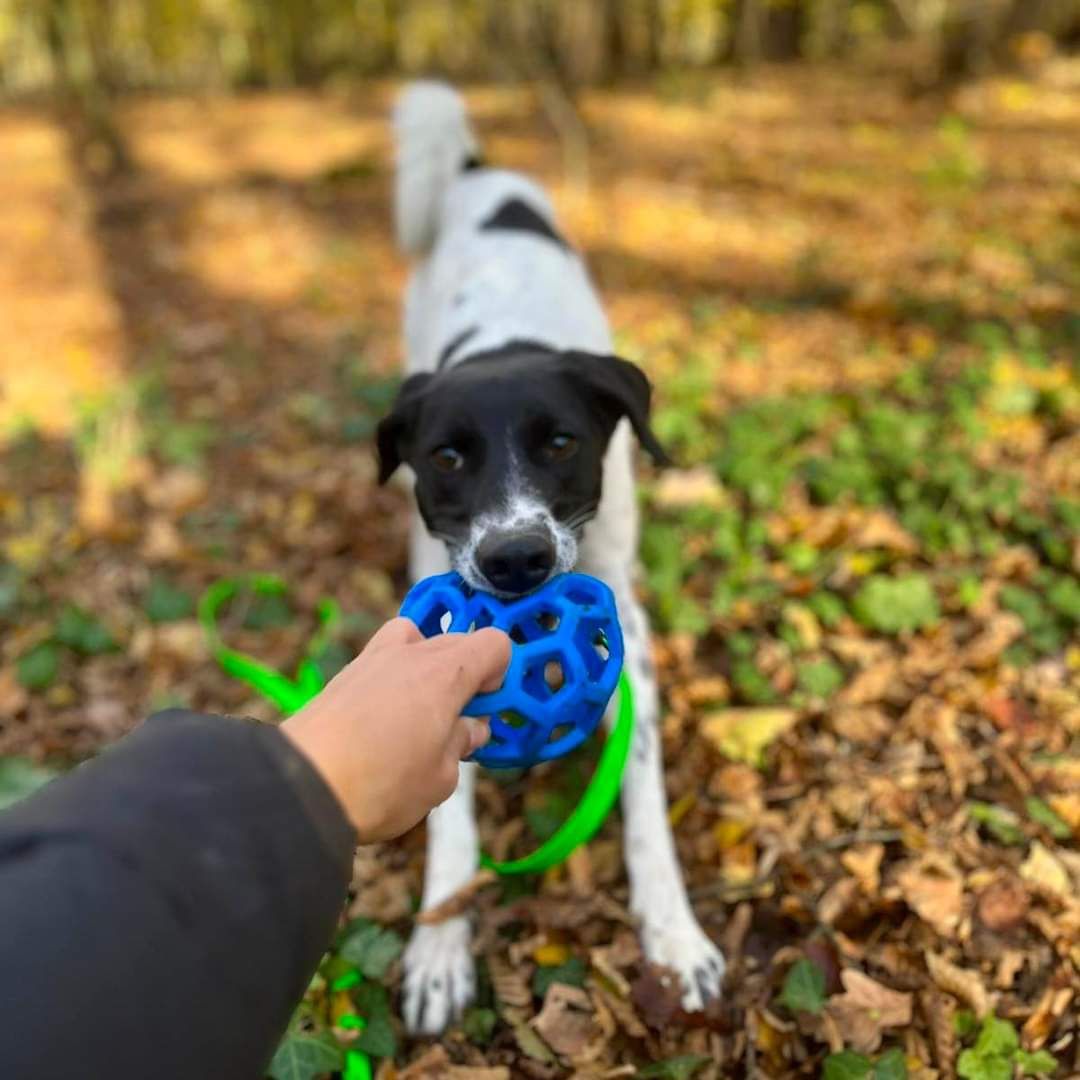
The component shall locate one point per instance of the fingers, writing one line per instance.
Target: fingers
(478, 733)
(397, 631)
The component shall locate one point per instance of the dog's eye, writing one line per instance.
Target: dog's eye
(446, 459)
(560, 447)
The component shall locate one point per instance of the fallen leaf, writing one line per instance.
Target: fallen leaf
(744, 734)
(682, 488)
(934, 891)
(567, 1021)
(1002, 905)
(961, 983)
(863, 862)
(866, 1009)
(871, 685)
(657, 997)
(1044, 871)
(879, 529)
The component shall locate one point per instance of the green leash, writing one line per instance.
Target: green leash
(289, 695)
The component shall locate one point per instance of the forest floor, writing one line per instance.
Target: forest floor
(860, 312)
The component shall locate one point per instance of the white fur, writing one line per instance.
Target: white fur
(520, 510)
(515, 286)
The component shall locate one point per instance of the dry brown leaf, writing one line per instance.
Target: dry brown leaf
(938, 1010)
(860, 723)
(934, 891)
(1003, 904)
(866, 1009)
(1010, 964)
(986, 648)
(567, 1022)
(1044, 872)
(961, 983)
(863, 862)
(878, 529)
(871, 685)
(679, 488)
(510, 985)
(836, 900)
(1050, 1009)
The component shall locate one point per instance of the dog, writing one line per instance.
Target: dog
(518, 425)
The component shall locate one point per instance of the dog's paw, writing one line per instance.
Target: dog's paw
(440, 976)
(683, 947)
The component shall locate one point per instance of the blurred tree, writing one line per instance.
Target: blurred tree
(115, 45)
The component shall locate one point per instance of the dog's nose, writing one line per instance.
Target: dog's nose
(516, 564)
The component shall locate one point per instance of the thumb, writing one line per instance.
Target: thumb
(474, 663)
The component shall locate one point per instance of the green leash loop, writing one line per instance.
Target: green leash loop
(595, 804)
(289, 695)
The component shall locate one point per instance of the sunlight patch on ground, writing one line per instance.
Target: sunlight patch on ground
(62, 332)
(291, 137)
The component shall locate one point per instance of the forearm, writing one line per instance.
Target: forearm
(164, 906)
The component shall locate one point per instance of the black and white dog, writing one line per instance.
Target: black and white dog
(517, 423)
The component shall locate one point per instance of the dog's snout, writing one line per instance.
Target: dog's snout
(516, 564)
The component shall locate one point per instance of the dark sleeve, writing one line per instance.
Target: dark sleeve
(163, 907)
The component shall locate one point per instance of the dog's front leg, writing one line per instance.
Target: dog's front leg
(670, 934)
(439, 971)
(440, 977)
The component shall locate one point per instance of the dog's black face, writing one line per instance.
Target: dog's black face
(508, 451)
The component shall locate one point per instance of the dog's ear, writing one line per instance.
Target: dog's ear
(617, 388)
(395, 429)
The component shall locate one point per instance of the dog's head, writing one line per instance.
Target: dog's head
(508, 449)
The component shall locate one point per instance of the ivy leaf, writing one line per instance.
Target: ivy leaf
(304, 1056)
(846, 1065)
(1043, 814)
(369, 947)
(19, 778)
(997, 1037)
(1040, 1063)
(479, 1025)
(676, 1068)
(572, 973)
(37, 668)
(804, 987)
(895, 605)
(892, 1065)
(81, 631)
(377, 1038)
(974, 1066)
(165, 602)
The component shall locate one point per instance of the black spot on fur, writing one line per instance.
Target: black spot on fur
(472, 163)
(517, 215)
(453, 345)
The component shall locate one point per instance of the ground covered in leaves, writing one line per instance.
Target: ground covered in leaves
(860, 313)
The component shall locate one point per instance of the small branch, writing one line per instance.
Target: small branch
(459, 902)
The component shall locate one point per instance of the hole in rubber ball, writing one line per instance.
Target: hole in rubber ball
(548, 621)
(554, 676)
(601, 646)
(513, 719)
(517, 635)
(559, 731)
(445, 620)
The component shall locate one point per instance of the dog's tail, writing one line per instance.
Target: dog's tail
(434, 143)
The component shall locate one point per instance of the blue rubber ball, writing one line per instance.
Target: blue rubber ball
(564, 665)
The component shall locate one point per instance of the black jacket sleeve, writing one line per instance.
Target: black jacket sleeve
(163, 907)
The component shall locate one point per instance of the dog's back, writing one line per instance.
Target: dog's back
(493, 266)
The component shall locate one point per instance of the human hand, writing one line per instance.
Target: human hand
(387, 733)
